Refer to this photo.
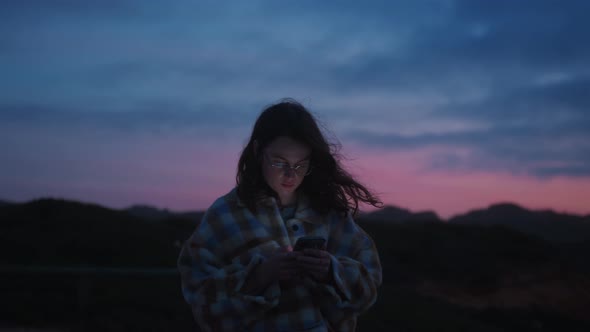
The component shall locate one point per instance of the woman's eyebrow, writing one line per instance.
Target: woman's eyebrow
(278, 156)
(272, 155)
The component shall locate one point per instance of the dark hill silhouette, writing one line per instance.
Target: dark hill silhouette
(3, 203)
(55, 231)
(152, 213)
(457, 276)
(482, 267)
(396, 214)
(148, 212)
(546, 224)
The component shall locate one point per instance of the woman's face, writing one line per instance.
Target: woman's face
(285, 162)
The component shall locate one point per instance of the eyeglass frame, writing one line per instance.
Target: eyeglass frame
(285, 166)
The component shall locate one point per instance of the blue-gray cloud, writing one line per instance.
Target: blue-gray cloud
(542, 130)
(516, 71)
(155, 116)
(561, 105)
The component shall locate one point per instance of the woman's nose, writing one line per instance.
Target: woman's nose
(289, 172)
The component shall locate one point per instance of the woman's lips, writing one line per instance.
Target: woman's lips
(288, 185)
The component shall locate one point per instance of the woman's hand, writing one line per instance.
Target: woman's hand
(316, 263)
(282, 266)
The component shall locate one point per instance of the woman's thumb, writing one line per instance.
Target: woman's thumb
(286, 249)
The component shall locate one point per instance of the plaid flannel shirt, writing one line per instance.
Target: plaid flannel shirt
(230, 241)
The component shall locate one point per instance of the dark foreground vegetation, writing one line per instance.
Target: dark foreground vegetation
(67, 266)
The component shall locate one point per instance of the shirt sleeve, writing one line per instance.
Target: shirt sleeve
(212, 287)
(356, 273)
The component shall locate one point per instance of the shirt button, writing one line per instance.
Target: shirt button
(295, 227)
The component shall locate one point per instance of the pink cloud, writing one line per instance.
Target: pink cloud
(187, 171)
(403, 179)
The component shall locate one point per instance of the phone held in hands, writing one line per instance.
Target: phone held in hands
(310, 242)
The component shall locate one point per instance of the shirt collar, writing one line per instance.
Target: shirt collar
(304, 212)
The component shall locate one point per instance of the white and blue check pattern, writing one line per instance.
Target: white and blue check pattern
(230, 241)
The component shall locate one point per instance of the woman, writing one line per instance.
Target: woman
(238, 269)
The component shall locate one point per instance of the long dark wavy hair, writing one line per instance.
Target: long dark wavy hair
(328, 186)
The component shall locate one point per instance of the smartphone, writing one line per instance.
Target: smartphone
(310, 242)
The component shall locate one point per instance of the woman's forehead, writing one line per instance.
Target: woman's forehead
(288, 148)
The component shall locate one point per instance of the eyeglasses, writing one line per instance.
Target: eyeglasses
(299, 170)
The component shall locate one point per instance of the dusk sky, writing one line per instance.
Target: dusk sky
(439, 105)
